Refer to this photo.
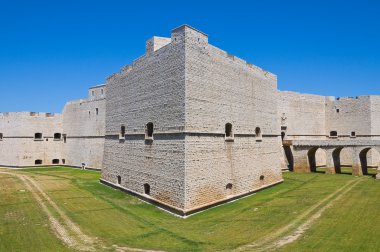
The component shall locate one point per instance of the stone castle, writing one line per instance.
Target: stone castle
(188, 126)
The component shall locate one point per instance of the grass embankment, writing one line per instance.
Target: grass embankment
(115, 218)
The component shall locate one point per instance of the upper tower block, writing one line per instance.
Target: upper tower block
(188, 34)
(156, 43)
(97, 92)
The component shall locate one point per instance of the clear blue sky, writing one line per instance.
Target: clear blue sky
(52, 51)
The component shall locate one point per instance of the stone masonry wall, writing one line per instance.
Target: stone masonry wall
(151, 89)
(303, 115)
(220, 89)
(18, 147)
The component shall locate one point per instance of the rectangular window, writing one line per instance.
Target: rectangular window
(38, 137)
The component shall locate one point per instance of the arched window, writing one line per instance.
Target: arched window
(55, 161)
(147, 189)
(149, 130)
(259, 135)
(118, 180)
(38, 136)
(228, 130)
(38, 162)
(63, 161)
(122, 132)
(57, 136)
(333, 133)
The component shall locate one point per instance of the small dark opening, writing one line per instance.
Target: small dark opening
(57, 136)
(38, 161)
(147, 189)
(262, 177)
(63, 161)
(1, 136)
(353, 134)
(38, 136)
(55, 161)
(122, 131)
(229, 186)
(333, 133)
(149, 129)
(258, 132)
(97, 111)
(337, 110)
(102, 91)
(282, 136)
(89, 114)
(228, 130)
(64, 138)
(118, 180)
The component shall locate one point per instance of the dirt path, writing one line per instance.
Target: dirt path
(300, 224)
(63, 227)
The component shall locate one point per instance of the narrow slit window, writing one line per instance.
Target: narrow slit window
(97, 111)
(147, 189)
(259, 135)
(1, 136)
(118, 180)
(63, 161)
(228, 130)
(149, 130)
(64, 138)
(122, 132)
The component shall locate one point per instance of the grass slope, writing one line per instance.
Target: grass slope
(116, 218)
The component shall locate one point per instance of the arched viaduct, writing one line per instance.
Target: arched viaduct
(301, 154)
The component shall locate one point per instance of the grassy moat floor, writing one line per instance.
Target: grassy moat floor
(63, 209)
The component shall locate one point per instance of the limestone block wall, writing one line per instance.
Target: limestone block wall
(217, 170)
(375, 117)
(302, 115)
(346, 115)
(84, 130)
(18, 146)
(220, 89)
(151, 89)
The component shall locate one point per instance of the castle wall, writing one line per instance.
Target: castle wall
(346, 115)
(220, 89)
(151, 89)
(84, 128)
(302, 115)
(18, 146)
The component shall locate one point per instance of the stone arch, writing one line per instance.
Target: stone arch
(317, 158)
(364, 156)
(336, 158)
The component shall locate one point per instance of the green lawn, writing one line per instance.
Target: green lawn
(348, 170)
(115, 218)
